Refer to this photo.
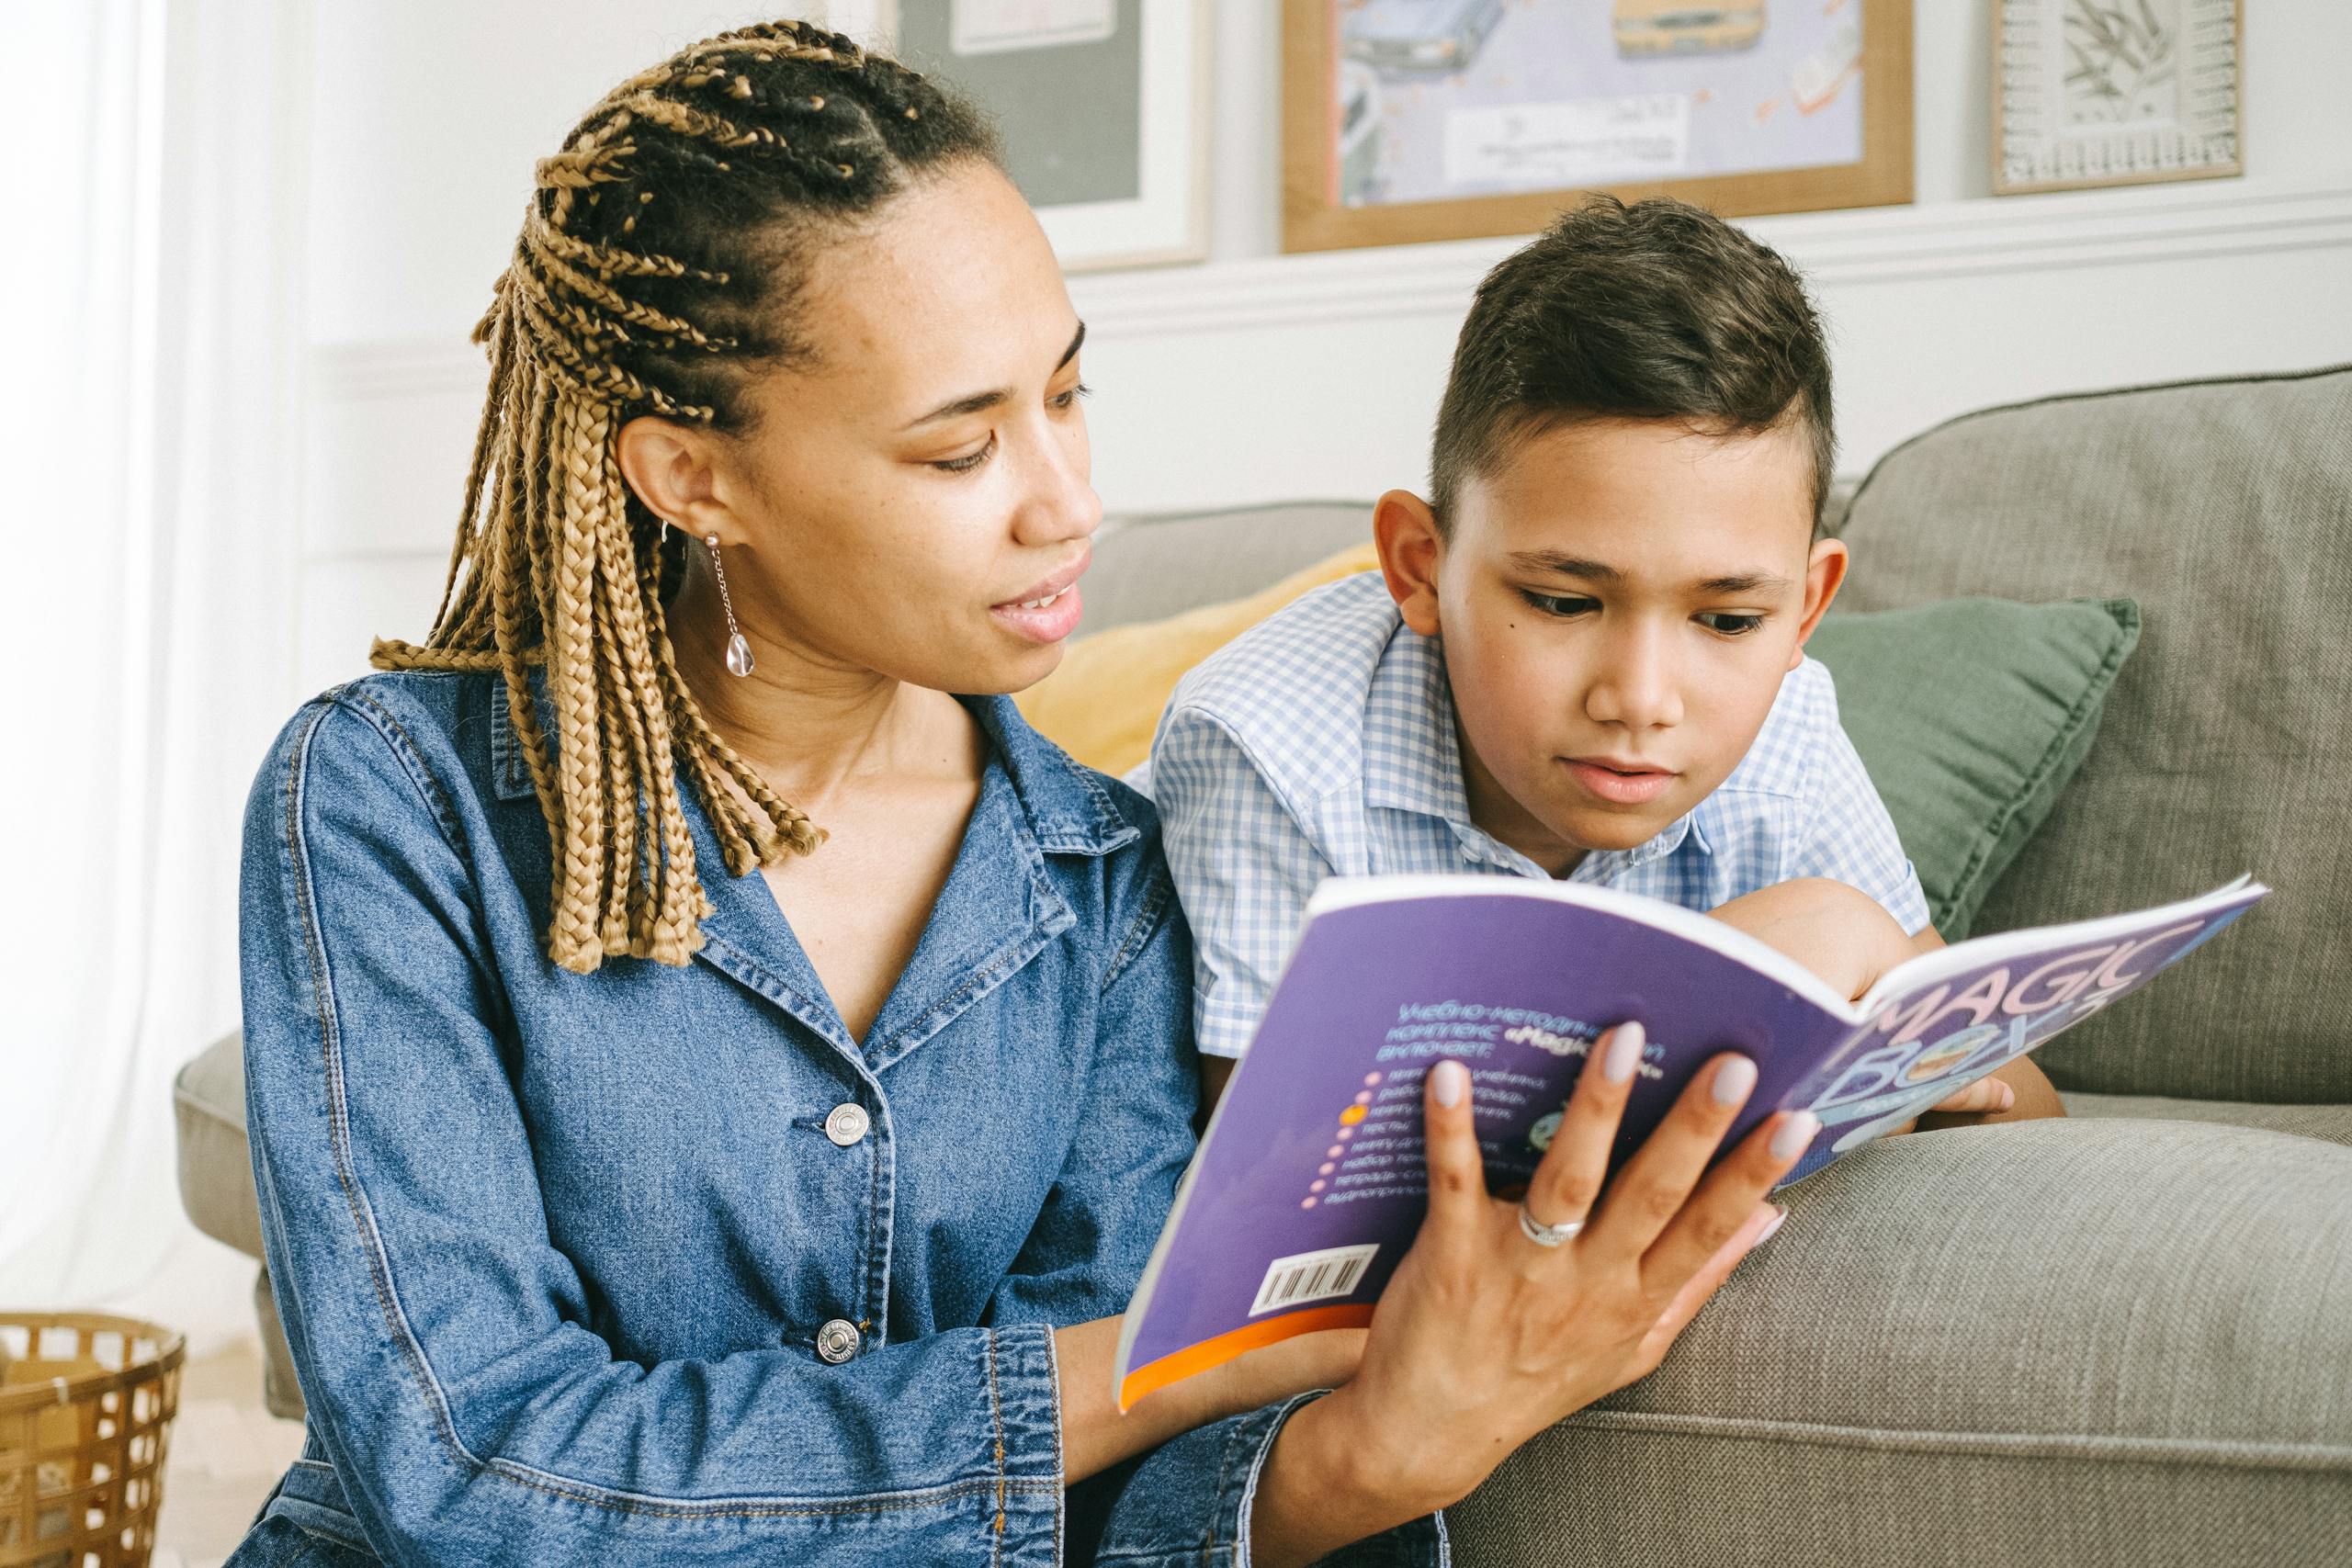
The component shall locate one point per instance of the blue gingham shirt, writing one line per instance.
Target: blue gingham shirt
(1321, 742)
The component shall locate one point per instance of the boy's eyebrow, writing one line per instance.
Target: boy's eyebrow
(1744, 582)
(1599, 571)
(979, 402)
(1565, 565)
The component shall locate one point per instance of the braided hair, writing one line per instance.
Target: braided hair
(655, 273)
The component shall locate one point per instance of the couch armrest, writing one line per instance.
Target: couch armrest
(215, 1166)
(2060, 1343)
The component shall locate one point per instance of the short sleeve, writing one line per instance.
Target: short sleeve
(1845, 833)
(1244, 870)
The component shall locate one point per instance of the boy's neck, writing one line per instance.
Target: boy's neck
(1494, 813)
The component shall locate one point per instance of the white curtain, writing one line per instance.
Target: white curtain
(151, 271)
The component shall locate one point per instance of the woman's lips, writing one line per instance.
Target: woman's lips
(1047, 620)
(1048, 611)
(1620, 786)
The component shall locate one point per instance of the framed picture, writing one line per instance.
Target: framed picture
(1444, 119)
(1102, 106)
(2115, 92)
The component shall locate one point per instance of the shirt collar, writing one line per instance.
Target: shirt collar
(1069, 810)
(1412, 762)
(1410, 759)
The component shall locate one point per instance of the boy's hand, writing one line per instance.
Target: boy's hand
(1981, 1101)
(1985, 1096)
(2024, 1093)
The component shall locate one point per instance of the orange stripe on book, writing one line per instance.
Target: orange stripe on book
(1154, 1375)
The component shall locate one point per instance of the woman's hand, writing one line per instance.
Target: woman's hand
(1485, 1337)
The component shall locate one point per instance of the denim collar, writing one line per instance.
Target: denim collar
(1416, 766)
(1001, 906)
(1069, 812)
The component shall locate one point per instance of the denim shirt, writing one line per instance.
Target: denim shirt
(597, 1268)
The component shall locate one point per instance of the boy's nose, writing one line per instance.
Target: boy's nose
(1637, 685)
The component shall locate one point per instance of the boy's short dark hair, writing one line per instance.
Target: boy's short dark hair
(1657, 310)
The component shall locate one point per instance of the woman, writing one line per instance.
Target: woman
(625, 1206)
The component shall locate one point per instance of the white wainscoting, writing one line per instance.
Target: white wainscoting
(1276, 376)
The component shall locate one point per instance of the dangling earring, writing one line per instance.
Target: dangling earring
(738, 652)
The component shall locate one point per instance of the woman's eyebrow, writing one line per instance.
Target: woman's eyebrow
(978, 402)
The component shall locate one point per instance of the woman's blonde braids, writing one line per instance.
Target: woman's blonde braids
(639, 287)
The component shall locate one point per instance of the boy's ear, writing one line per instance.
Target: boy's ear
(1824, 574)
(1405, 529)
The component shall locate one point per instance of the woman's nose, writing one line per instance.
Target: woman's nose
(1060, 503)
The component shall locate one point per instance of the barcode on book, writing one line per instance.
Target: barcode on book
(1312, 1276)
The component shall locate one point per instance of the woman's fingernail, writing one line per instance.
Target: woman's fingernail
(1795, 1134)
(1734, 1080)
(1625, 1044)
(1779, 1219)
(2003, 1095)
(1449, 1079)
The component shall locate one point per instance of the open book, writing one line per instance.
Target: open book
(1311, 1182)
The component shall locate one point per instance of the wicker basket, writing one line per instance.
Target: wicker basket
(86, 1406)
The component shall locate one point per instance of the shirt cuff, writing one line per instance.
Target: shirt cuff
(1158, 1523)
(1025, 1404)
(1221, 1030)
(1909, 905)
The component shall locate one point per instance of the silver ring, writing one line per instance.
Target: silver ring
(1542, 1234)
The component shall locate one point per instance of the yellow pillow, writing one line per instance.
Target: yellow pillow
(1103, 703)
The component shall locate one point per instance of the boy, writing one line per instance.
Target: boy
(1583, 656)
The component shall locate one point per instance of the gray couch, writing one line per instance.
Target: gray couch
(2122, 1339)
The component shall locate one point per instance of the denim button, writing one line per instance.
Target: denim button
(837, 1341)
(847, 1125)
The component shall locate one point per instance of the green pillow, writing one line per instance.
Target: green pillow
(1972, 715)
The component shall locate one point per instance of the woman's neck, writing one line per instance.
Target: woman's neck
(810, 725)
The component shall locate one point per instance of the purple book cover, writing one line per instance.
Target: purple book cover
(1309, 1186)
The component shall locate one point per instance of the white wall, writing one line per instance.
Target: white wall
(1260, 376)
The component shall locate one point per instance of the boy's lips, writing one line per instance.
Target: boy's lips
(1619, 783)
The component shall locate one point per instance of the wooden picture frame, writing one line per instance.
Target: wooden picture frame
(2188, 123)
(1133, 75)
(1315, 148)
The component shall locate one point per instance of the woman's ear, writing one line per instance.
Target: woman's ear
(1412, 549)
(1824, 574)
(670, 467)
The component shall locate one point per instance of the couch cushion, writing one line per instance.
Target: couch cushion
(2328, 1124)
(1972, 715)
(2225, 508)
(215, 1166)
(1102, 704)
(1151, 565)
(2054, 1343)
